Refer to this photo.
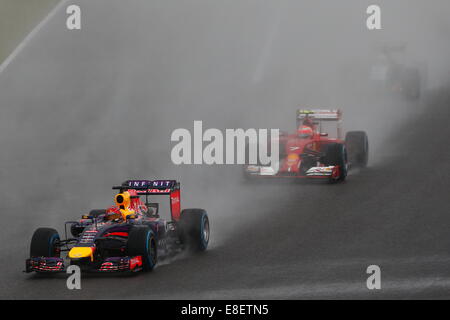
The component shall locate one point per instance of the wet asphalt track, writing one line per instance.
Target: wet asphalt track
(65, 140)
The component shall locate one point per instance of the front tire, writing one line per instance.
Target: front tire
(336, 155)
(194, 229)
(45, 243)
(142, 242)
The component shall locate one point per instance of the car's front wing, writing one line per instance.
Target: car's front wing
(111, 264)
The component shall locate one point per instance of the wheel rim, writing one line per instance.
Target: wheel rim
(53, 246)
(205, 230)
(152, 251)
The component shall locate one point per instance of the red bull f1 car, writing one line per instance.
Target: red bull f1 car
(312, 153)
(128, 236)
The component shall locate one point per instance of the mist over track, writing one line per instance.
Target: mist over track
(83, 110)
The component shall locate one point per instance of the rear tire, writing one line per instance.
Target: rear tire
(194, 229)
(336, 155)
(142, 242)
(44, 243)
(357, 144)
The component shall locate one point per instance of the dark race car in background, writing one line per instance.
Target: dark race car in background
(391, 73)
(129, 236)
(312, 153)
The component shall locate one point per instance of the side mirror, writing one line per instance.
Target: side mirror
(85, 216)
(324, 134)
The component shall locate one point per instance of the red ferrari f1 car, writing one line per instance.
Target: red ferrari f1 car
(312, 153)
(129, 236)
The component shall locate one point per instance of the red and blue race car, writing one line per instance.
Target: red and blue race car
(312, 153)
(128, 236)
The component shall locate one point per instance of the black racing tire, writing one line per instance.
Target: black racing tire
(97, 212)
(336, 155)
(45, 243)
(357, 144)
(194, 229)
(142, 242)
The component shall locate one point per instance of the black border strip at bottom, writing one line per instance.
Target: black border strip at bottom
(222, 309)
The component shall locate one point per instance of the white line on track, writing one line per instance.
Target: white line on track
(27, 39)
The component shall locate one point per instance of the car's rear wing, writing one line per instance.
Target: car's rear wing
(320, 114)
(149, 187)
(156, 187)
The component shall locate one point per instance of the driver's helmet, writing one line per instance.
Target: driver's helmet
(305, 132)
(308, 122)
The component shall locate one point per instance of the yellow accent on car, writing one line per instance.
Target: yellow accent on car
(81, 252)
(126, 213)
(123, 201)
(293, 157)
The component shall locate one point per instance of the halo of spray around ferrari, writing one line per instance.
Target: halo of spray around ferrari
(129, 236)
(311, 153)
